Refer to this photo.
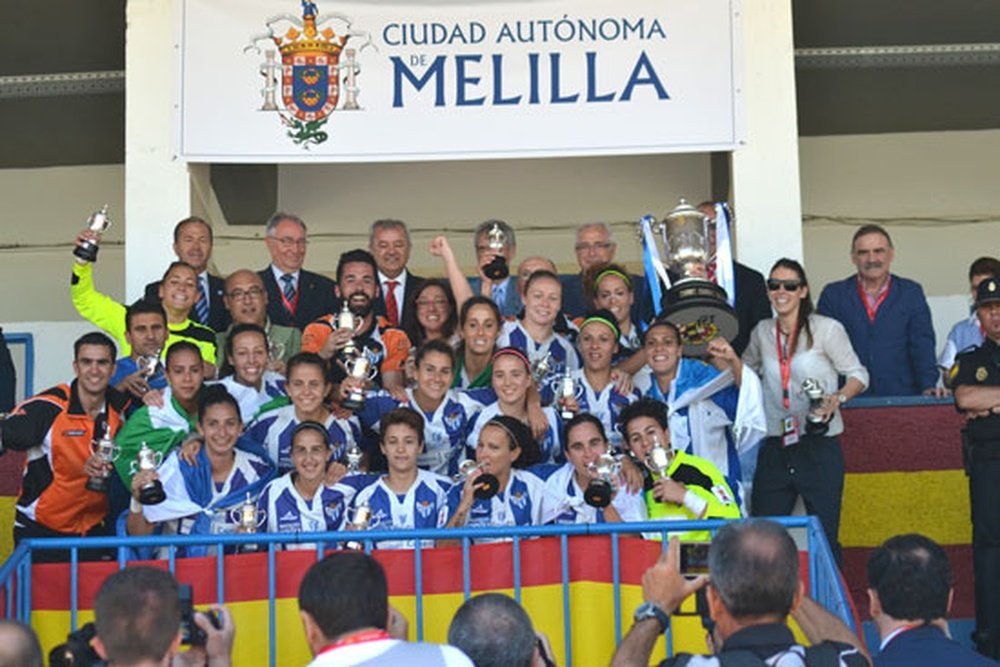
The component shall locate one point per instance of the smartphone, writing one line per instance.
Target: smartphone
(694, 558)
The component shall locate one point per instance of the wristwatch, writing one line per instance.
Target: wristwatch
(650, 610)
(841, 399)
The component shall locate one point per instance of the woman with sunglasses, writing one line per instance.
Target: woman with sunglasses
(794, 353)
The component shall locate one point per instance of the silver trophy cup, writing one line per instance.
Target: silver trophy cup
(97, 223)
(148, 459)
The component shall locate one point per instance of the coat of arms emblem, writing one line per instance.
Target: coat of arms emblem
(316, 67)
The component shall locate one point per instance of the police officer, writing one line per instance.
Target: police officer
(976, 378)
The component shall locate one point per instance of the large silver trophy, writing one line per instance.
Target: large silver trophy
(97, 223)
(698, 306)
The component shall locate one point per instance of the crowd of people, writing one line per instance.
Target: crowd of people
(518, 396)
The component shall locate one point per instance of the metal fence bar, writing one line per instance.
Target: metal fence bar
(74, 564)
(466, 569)
(271, 604)
(616, 587)
(567, 632)
(220, 577)
(418, 587)
(516, 545)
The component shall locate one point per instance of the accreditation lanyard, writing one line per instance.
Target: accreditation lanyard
(358, 638)
(785, 363)
(872, 310)
(290, 306)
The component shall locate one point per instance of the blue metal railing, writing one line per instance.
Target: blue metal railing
(28, 340)
(826, 586)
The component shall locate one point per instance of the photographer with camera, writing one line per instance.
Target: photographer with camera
(137, 614)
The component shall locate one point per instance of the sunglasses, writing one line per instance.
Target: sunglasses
(774, 285)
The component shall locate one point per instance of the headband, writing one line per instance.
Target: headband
(603, 320)
(312, 426)
(613, 272)
(513, 351)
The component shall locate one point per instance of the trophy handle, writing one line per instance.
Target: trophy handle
(158, 458)
(133, 468)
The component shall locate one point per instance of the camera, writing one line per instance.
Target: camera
(191, 634)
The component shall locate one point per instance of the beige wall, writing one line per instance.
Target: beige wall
(894, 179)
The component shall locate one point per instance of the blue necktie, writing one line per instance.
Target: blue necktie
(289, 288)
(201, 305)
(499, 292)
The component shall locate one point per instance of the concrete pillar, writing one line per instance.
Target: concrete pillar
(157, 185)
(766, 192)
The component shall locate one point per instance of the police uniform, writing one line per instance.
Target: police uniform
(980, 367)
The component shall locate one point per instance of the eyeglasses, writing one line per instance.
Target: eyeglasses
(773, 285)
(289, 242)
(587, 247)
(239, 294)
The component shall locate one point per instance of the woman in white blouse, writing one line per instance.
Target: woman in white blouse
(798, 353)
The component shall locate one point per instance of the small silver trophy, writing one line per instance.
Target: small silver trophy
(353, 456)
(248, 518)
(496, 241)
(604, 480)
(275, 349)
(658, 459)
(568, 388)
(360, 367)
(346, 319)
(487, 485)
(816, 423)
(107, 451)
(541, 367)
(360, 519)
(151, 493)
(149, 364)
(97, 223)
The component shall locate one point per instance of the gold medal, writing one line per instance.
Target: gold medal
(981, 374)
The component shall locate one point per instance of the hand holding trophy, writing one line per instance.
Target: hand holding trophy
(98, 223)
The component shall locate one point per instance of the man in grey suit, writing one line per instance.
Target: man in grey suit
(504, 292)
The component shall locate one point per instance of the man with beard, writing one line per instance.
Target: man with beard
(386, 346)
(887, 319)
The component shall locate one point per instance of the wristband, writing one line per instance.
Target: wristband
(694, 503)
(134, 506)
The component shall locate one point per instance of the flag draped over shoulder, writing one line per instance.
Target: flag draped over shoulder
(161, 428)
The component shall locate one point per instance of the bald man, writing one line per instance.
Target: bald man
(246, 301)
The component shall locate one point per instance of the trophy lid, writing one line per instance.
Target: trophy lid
(684, 210)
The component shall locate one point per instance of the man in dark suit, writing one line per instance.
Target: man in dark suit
(504, 292)
(295, 297)
(389, 243)
(193, 245)
(910, 593)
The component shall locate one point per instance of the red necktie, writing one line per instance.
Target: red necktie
(391, 307)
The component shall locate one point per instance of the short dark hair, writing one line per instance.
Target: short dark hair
(865, 230)
(494, 631)
(644, 407)
(403, 415)
(582, 418)
(660, 322)
(21, 647)
(144, 307)
(985, 266)
(307, 359)
(215, 394)
(177, 265)
(911, 575)
(356, 256)
(181, 346)
(478, 300)
(387, 223)
(344, 592)
(137, 614)
(436, 345)
(754, 567)
(192, 220)
(94, 338)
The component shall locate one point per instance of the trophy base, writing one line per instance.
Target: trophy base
(598, 493)
(701, 311)
(152, 494)
(486, 486)
(497, 269)
(98, 484)
(86, 251)
(816, 428)
(353, 402)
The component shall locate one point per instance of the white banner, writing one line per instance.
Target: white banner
(330, 81)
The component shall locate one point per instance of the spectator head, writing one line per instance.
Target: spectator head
(341, 594)
(93, 362)
(436, 312)
(872, 252)
(788, 289)
(484, 254)
(19, 646)
(754, 572)
(389, 243)
(909, 580)
(531, 264)
(643, 424)
(357, 281)
(193, 242)
(137, 615)
(246, 298)
(145, 327)
(494, 631)
(981, 269)
(286, 241)
(594, 245)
